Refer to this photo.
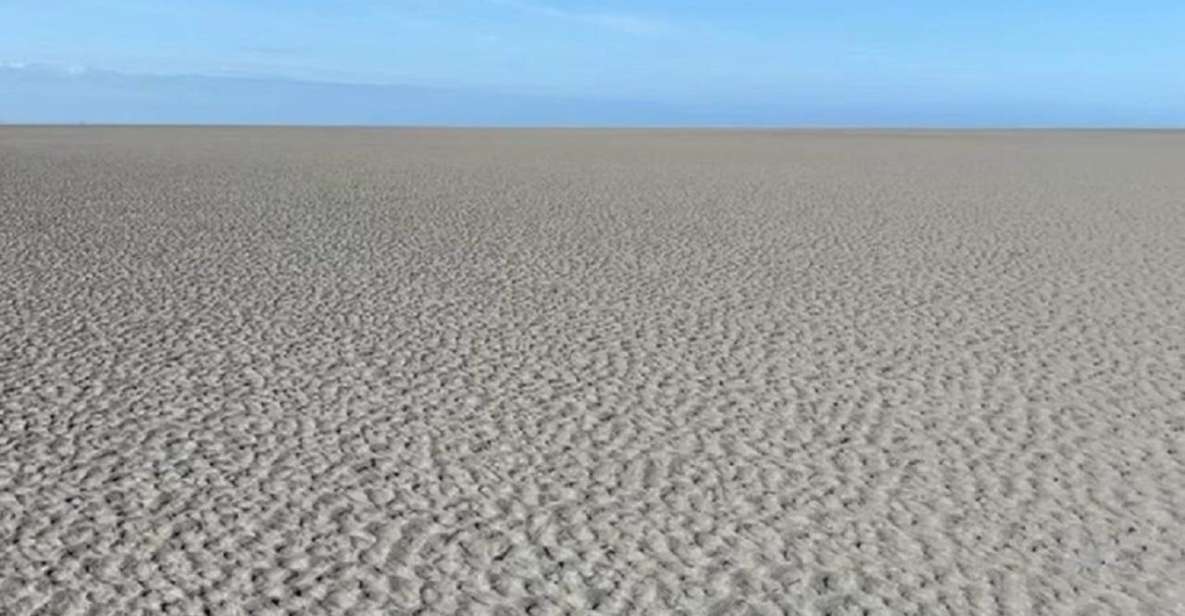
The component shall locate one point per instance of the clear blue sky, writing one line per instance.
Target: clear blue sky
(858, 62)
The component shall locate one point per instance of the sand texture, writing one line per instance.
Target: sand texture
(365, 371)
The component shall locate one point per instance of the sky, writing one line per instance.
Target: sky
(760, 62)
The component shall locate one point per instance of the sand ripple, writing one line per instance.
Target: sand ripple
(282, 371)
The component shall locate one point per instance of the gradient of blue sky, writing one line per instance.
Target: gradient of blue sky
(1008, 53)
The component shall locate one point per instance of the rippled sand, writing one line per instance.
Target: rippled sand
(299, 371)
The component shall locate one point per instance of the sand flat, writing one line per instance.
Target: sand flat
(413, 371)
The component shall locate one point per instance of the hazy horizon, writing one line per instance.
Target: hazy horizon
(647, 64)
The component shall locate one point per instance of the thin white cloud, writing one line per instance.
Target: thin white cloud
(41, 67)
(621, 22)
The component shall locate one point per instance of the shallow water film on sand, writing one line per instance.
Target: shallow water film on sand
(368, 371)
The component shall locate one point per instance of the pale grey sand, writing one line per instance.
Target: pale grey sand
(301, 371)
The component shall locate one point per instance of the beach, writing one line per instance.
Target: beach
(574, 371)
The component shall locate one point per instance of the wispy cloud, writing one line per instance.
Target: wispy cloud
(628, 23)
(37, 67)
(274, 50)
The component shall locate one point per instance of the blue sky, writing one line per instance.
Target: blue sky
(759, 62)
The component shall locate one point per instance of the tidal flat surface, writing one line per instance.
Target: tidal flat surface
(405, 371)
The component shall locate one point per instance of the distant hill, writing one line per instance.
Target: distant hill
(36, 94)
(40, 94)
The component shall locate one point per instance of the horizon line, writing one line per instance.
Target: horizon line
(706, 127)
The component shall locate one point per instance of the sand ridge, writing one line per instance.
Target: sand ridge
(416, 371)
